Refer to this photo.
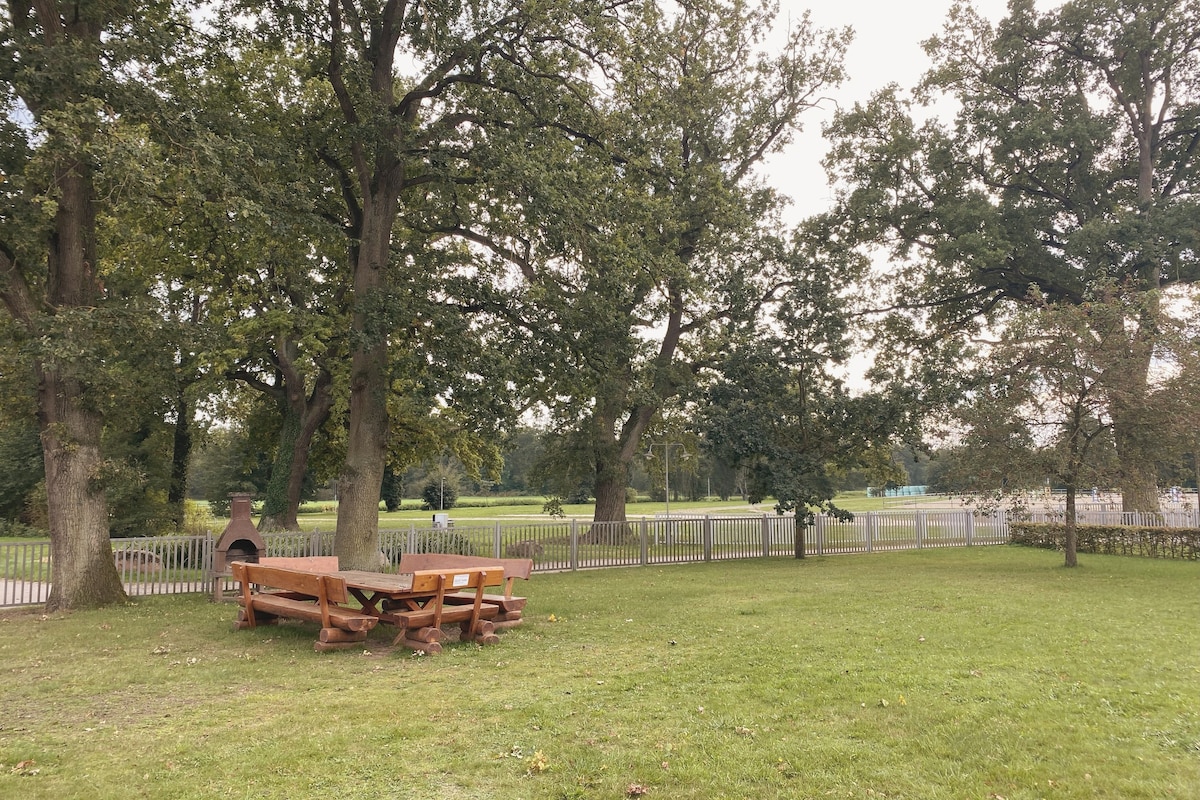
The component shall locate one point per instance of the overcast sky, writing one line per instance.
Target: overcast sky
(886, 48)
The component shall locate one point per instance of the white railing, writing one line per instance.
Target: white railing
(1178, 518)
(181, 564)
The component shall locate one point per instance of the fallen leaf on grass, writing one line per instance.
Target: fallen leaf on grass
(636, 790)
(537, 764)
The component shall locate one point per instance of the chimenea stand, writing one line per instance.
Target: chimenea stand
(240, 541)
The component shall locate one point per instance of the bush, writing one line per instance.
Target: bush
(1122, 540)
(15, 528)
(392, 490)
(438, 494)
(446, 541)
(197, 520)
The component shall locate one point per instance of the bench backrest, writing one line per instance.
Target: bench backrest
(325, 564)
(455, 579)
(512, 567)
(329, 587)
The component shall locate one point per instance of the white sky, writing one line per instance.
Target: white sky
(886, 49)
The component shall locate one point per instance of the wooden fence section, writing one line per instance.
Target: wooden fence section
(180, 564)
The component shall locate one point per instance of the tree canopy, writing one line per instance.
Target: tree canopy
(1071, 164)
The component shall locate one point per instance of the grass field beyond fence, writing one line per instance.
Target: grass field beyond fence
(979, 673)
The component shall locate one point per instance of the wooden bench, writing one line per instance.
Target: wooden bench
(300, 594)
(422, 615)
(511, 607)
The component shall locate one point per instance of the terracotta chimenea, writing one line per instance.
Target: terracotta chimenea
(240, 541)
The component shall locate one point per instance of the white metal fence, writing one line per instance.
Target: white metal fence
(1177, 518)
(180, 564)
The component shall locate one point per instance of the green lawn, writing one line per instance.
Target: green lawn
(977, 673)
(323, 516)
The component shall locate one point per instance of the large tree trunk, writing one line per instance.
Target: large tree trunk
(1138, 474)
(1134, 424)
(611, 481)
(83, 573)
(356, 541)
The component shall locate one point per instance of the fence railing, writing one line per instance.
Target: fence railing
(1178, 518)
(181, 564)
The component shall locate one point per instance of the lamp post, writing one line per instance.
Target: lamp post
(666, 464)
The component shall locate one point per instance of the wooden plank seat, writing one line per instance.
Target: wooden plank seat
(511, 607)
(270, 592)
(422, 610)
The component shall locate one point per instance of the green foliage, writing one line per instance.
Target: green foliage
(1061, 179)
(442, 542)
(20, 467)
(439, 493)
(553, 507)
(1123, 540)
(392, 491)
(645, 250)
(20, 530)
(776, 408)
(228, 461)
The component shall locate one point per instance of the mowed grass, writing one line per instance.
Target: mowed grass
(483, 510)
(962, 673)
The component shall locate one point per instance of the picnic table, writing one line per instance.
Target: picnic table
(414, 602)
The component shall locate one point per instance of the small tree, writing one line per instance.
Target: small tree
(392, 491)
(440, 492)
(1041, 412)
(795, 429)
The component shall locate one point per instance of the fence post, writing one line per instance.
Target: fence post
(496, 541)
(766, 535)
(644, 540)
(819, 533)
(708, 537)
(872, 521)
(921, 529)
(412, 538)
(574, 544)
(970, 528)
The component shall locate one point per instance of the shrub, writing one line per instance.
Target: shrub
(1124, 540)
(15, 528)
(430, 542)
(439, 494)
(197, 520)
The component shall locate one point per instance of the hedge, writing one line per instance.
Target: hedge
(1121, 540)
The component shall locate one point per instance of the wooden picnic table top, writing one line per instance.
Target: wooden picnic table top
(379, 582)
